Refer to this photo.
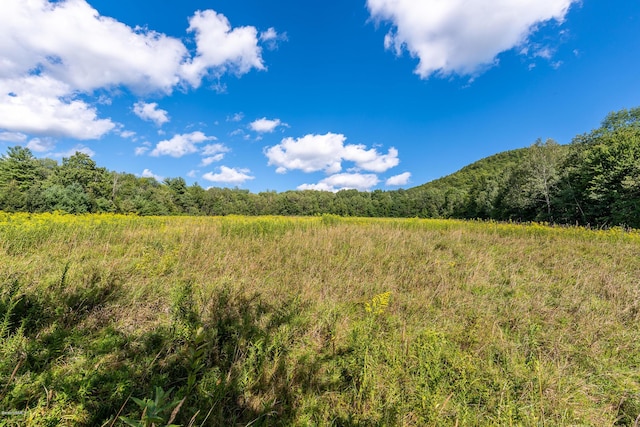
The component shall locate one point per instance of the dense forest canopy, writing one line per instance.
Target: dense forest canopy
(594, 181)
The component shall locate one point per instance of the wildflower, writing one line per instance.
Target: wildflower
(378, 303)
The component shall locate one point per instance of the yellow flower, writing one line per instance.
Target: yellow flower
(378, 303)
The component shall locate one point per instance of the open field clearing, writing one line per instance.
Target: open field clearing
(316, 321)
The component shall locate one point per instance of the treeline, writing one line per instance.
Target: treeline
(79, 185)
(594, 181)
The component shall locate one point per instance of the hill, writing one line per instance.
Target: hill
(465, 179)
(494, 187)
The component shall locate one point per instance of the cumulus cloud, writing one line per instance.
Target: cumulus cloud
(402, 179)
(42, 105)
(313, 153)
(370, 159)
(221, 48)
(150, 112)
(265, 125)
(229, 175)
(55, 55)
(180, 145)
(344, 181)
(71, 42)
(147, 173)
(459, 36)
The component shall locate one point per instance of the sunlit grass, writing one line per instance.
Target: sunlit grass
(318, 320)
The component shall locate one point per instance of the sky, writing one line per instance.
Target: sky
(328, 95)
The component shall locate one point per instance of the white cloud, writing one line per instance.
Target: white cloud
(313, 153)
(150, 112)
(147, 173)
(192, 173)
(55, 55)
(229, 175)
(15, 137)
(265, 125)
(221, 48)
(71, 42)
(402, 179)
(127, 134)
(180, 145)
(371, 160)
(213, 153)
(212, 149)
(344, 181)
(42, 105)
(206, 161)
(544, 52)
(269, 35)
(76, 149)
(139, 151)
(271, 38)
(460, 36)
(41, 145)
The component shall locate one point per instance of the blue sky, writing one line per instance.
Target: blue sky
(284, 95)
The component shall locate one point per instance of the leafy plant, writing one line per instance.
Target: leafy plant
(156, 410)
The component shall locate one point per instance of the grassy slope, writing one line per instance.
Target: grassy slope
(286, 321)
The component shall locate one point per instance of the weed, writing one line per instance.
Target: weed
(155, 412)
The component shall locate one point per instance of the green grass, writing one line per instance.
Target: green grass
(316, 321)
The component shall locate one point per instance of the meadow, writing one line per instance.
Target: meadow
(122, 320)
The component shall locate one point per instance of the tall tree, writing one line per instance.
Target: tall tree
(19, 166)
(19, 171)
(533, 184)
(95, 181)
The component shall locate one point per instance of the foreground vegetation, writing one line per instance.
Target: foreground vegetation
(593, 181)
(108, 320)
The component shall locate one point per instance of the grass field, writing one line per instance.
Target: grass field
(108, 320)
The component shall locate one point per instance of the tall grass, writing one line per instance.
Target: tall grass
(317, 321)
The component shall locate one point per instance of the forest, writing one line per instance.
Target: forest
(593, 181)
